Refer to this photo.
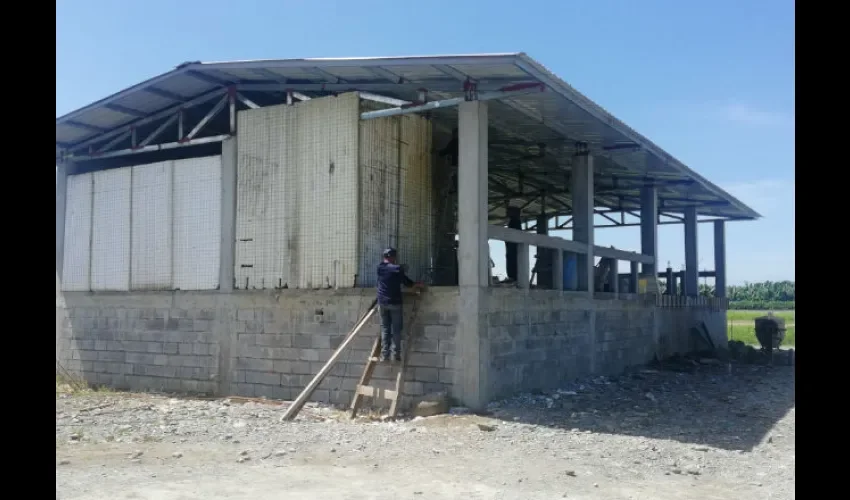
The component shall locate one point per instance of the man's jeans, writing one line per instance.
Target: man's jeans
(391, 324)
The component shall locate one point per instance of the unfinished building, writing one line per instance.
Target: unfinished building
(218, 227)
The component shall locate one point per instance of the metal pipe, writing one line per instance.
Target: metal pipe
(156, 147)
(446, 103)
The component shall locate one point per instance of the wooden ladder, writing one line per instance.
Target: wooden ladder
(363, 388)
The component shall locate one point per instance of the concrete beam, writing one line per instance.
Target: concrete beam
(691, 281)
(649, 227)
(227, 266)
(471, 383)
(719, 258)
(582, 191)
(61, 195)
(613, 253)
(516, 236)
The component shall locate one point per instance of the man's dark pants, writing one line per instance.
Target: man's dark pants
(391, 324)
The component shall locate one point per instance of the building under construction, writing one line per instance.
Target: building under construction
(218, 228)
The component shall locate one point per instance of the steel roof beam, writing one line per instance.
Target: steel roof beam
(85, 126)
(125, 110)
(212, 80)
(212, 94)
(165, 93)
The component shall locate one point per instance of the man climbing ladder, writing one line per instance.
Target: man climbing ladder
(390, 279)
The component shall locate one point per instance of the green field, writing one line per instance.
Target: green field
(741, 325)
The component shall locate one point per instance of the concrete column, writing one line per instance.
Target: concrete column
(719, 258)
(649, 227)
(557, 269)
(61, 193)
(582, 192)
(614, 276)
(523, 277)
(633, 278)
(671, 282)
(471, 384)
(544, 259)
(514, 222)
(691, 281)
(227, 266)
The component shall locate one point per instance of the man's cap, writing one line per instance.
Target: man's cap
(389, 252)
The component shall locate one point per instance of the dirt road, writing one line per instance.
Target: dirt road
(657, 435)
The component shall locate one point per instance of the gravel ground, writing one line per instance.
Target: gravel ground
(676, 432)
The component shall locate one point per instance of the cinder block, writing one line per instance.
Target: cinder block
(446, 347)
(245, 315)
(320, 342)
(274, 340)
(425, 345)
(265, 378)
(206, 314)
(302, 341)
(87, 355)
(426, 374)
(434, 331)
(170, 348)
(110, 356)
(161, 359)
(426, 360)
(101, 345)
(154, 347)
(245, 390)
(201, 349)
(185, 349)
(260, 365)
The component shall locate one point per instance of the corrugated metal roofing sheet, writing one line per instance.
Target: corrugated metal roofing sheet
(560, 116)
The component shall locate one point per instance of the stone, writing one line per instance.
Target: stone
(570, 473)
(136, 454)
(432, 404)
(280, 453)
(64, 462)
(486, 428)
(176, 454)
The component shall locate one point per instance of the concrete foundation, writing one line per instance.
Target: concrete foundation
(253, 343)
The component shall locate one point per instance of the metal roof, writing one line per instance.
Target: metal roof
(537, 134)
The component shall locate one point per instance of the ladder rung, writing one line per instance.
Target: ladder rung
(374, 359)
(376, 392)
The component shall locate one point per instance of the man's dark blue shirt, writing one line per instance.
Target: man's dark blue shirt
(390, 279)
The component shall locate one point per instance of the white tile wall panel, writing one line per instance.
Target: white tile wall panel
(396, 194)
(151, 227)
(326, 154)
(379, 186)
(197, 223)
(297, 195)
(77, 255)
(264, 175)
(110, 243)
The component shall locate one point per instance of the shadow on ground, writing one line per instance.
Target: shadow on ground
(700, 404)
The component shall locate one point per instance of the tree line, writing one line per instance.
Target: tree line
(773, 295)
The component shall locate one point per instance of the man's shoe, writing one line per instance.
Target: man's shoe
(397, 357)
(385, 358)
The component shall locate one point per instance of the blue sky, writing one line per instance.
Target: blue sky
(710, 82)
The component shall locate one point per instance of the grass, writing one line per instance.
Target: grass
(741, 326)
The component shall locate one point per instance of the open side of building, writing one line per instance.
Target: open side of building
(217, 228)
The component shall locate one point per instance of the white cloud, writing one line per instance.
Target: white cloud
(747, 115)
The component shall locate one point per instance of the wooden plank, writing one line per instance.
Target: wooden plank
(357, 400)
(399, 379)
(376, 392)
(302, 398)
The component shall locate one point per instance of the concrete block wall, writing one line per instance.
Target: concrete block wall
(246, 343)
(540, 339)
